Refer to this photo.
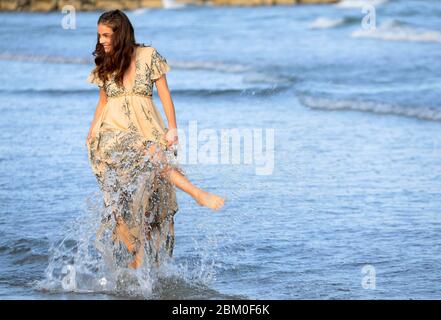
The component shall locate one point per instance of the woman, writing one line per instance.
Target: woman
(130, 149)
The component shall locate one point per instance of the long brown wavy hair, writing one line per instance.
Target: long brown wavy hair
(123, 45)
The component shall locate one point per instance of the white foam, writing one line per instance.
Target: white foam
(370, 106)
(350, 4)
(141, 11)
(325, 23)
(393, 32)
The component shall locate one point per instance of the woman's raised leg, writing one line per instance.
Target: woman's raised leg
(202, 197)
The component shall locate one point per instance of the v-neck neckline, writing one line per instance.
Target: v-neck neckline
(136, 73)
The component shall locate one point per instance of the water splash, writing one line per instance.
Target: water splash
(90, 260)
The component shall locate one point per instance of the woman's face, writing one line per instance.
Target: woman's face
(105, 37)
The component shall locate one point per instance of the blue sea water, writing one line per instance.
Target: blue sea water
(354, 193)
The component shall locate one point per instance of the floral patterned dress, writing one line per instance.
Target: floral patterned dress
(128, 154)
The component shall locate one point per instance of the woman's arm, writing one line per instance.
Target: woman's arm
(167, 102)
(169, 108)
(99, 109)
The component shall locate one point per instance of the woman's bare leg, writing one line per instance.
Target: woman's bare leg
(137, 259)
(202, 197)
(122, 232)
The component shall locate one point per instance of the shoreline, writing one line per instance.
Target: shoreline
(97, 5)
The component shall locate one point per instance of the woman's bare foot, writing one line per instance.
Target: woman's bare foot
(207, 199)
(123, 234)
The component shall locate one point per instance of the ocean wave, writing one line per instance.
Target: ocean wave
(350, 4)
(251, 91)
(273, 78)
(259, 92)
(167, 4)
(211, 65)
(371, 106)
(46, 92)
(329, 23)
(394, 31)
(20, 245)
(43, 58)
(25, 250)
(326, 23)
(188, 65)
(171, 4)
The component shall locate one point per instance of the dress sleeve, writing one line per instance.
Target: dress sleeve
(159, 65)
(93, 78)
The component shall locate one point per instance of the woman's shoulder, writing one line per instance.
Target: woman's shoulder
(146, 50)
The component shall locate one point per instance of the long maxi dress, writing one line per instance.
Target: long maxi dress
(127, 171)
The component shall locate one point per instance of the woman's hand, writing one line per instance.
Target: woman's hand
(172, 136)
